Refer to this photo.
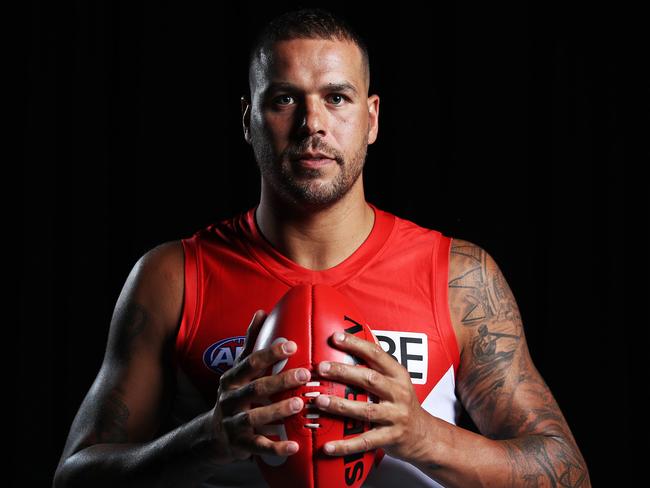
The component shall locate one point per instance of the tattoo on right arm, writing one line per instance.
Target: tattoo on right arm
(110, 425)
(135, 318)
(111, 422)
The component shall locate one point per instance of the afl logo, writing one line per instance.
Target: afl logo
(220, 356)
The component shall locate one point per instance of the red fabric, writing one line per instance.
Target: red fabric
(397, 278)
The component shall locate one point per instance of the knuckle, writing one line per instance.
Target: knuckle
(367, 445)
(377, 349)
(260, 445)
(244, 419)
(255, 388)
(252, 361)
(401, 418)
(224, 397)
(405, 373)
(400, 433)
(287, 408)
(224, 380)
(372, 377)
(233, 424)
(227, 423)
(407, 417)
(287, 379)
(370, 412)
(336, 405)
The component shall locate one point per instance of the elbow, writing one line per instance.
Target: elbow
(66, 474)
(574, 463)
(60, 476)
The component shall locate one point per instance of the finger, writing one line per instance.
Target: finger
(259, 444)
(255, 364)
(251, 333)
(367, 378)
(263, 388)
(370, 352)
(367, 441)
(266, 414)
(375, 413)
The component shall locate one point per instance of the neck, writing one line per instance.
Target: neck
(315, 239)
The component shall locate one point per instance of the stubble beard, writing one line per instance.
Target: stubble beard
(308, 187)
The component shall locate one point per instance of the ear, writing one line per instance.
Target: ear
(373, 118)
(246, 117)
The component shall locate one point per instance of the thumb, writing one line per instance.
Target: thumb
(253, 330)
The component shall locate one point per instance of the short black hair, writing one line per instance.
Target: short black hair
(307, 23)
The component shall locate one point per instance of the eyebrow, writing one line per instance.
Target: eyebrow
(343, 86)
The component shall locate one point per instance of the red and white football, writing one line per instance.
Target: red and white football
(308, 315)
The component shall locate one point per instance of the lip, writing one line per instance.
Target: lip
(313, 155)
(316, 162)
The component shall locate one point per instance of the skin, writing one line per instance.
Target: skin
(308, 215)
(317, 218)
(115, 437)
(526, 440)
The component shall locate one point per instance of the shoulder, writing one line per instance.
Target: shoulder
(157, 281)
(169, 255)
(478, 291)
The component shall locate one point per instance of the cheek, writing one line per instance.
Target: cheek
(277, 126)
(351, 126)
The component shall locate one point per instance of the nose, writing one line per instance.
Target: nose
(312, 119)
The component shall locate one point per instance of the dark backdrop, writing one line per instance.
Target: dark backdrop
(508, 126)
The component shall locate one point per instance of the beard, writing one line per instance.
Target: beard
(308, 187)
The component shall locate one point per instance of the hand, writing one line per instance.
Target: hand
(233, 418)
(401, 424)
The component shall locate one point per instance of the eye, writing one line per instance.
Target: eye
(281, 97)
(335, 96)
(343, 97)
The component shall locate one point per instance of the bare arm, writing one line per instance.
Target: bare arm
(111, 435)
(526, 440)
(112, 439)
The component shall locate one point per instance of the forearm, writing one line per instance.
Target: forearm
(181, 458)
(460, 458)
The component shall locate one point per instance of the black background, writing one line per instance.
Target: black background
(510, 126)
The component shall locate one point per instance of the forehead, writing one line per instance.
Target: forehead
(307, 61)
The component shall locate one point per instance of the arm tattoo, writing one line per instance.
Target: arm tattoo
(497, 381)
(487, 307)
(134, 318)
(110, 425)
(539, 460)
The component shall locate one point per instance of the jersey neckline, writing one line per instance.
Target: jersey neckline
(292, 273)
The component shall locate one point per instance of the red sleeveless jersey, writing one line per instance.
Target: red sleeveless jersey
(398, 278)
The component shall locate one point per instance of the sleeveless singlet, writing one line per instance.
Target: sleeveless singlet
(398, 279)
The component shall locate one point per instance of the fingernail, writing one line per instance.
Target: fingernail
(302, 375)
(322, 401)
(296, 404)
(339, 336)
(324, 367)
(328, 448)
(292, 448)
(289, 346)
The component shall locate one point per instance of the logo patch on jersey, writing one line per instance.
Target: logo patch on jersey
(410, 349)
(220, 356)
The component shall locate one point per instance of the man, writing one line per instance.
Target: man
(170, 405)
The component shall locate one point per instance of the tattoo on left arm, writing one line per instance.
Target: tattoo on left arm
(497, 382)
